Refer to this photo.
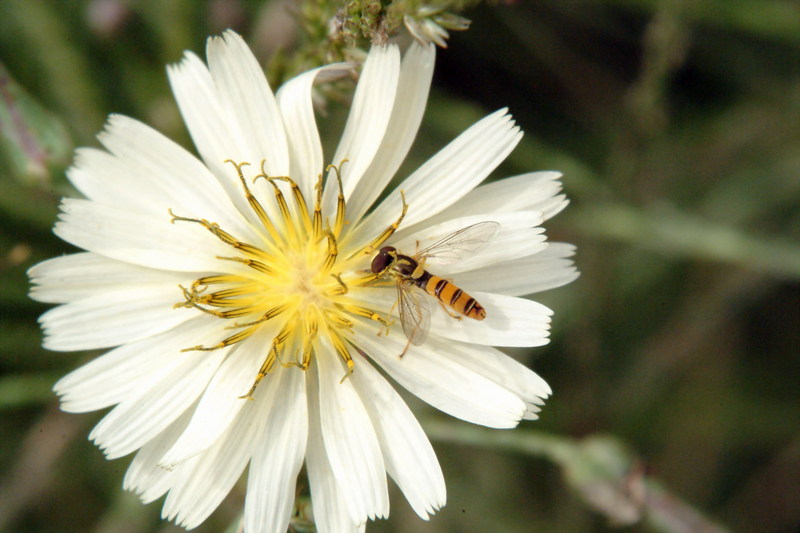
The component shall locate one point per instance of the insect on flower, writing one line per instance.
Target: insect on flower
(410, 276)
(254, 270)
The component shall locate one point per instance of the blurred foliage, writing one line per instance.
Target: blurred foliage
(677, 126)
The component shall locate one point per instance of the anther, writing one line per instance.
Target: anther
(340, 203)
(279, 198)
(333, 252)
(257, 208)
(385, 234)
(342, 289)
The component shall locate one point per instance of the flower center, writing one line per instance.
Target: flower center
(304, 285)
(295, 282)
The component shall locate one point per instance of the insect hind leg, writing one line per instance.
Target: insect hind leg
(448, 311)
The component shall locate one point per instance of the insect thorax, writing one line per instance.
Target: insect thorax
(407, 267)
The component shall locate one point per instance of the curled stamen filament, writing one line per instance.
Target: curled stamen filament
(296, 279)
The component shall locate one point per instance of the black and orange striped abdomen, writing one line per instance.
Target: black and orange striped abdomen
(450, 295)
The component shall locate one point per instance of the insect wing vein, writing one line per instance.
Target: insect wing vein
(414, 313)
(460, 244)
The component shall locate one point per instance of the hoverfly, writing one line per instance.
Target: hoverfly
(410, 275)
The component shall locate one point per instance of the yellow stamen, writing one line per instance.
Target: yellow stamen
(388, 232)
(254, 204)
(295, 279)
(340, 203)
(288, 223)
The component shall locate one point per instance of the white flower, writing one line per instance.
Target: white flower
(212, 287)
(430, 24)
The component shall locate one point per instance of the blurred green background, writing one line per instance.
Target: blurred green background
(674, 359)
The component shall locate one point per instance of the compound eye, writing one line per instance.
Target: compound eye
(382, 261)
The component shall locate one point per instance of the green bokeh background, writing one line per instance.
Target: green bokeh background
(674, 359)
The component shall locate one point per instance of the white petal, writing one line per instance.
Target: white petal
(350, 442)
(128, 371)
(409, 456)
(330, 507)
(305, 148)
(443, 382)
(532, 413)
(198, 485)
(212, 128)
(451, 173)
(76, 276)
(368, 118)
(279, 456)
(223, 398)
(148, 167)
(213, 473)
(510, 321)
(135, 421)
(414, 85)
(140, 239)
(517, 237)
(498, 367)
(510, 244)
(545, 270)
(145, 477)
(204, 115)
(108, 179)
(250, 107)
(534, 191)
(113, 318)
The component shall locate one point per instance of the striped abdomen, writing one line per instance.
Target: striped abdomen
(450, 295)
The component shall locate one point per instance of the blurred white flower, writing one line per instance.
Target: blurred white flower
(237, 293)
(430, 25)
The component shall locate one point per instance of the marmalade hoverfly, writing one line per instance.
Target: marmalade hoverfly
(409, 274)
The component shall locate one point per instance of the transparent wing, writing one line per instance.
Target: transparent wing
(460, 244)
(414, 313)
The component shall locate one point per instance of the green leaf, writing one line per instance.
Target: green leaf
(600, 468)
(32, 140)
(674, 233)
(22, 390)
